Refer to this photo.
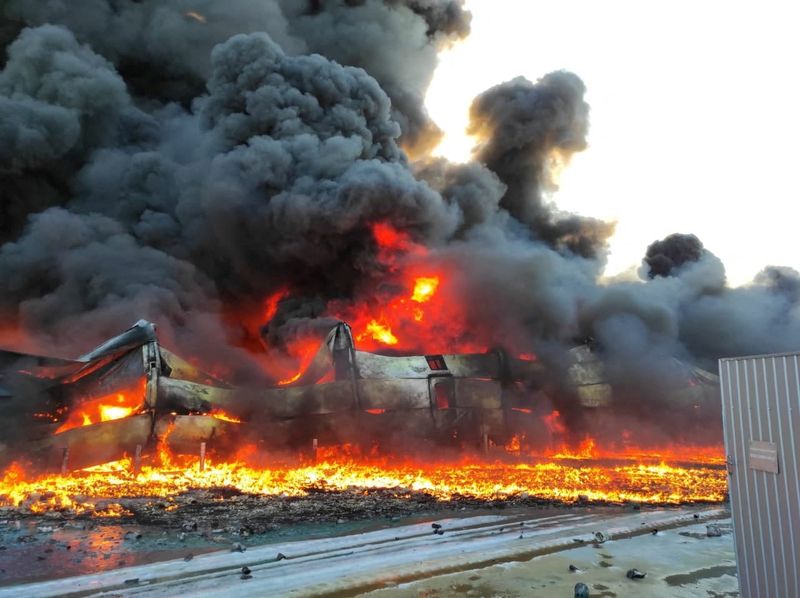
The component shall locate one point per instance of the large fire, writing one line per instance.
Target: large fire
(415, 309)
(106, 408)
(670, 475)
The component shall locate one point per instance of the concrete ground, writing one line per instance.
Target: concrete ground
(525, 552)
(680, 562)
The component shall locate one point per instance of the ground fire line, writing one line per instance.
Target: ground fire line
(132, 420)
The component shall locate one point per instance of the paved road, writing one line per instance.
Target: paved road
(372, 560)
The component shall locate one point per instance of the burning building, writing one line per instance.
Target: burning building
(250, 179)
(123, 396)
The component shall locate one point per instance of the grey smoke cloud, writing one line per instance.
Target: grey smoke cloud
(395, 41)
(162, 48)
(522, 126)
(162, 165)
(667, 255)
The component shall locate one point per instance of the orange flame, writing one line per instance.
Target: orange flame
(388, 237)
(105, 408)
(554, 423)
(271, 303)
(424, 288)
(379, 332)
(661, 478)
(303, 350)
(226, 417)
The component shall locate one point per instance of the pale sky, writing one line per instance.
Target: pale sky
(695, 115)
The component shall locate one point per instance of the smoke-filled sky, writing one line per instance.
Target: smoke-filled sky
(694, 119)
(184, 161)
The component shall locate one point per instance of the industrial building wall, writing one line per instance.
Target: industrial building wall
(761, 419)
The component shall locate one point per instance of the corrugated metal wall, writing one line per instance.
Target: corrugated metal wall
(761, 419)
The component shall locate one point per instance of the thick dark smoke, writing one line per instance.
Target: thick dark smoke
(179, 160)
(664, 257)
(395, 41)
(524, 127)
(162, 48)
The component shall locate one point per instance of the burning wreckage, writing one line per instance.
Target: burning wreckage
(130, 392)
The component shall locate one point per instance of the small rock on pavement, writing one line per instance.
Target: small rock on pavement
(581, 590)
(238, 547)
(573, 568)
(713, 531)
(635, 574)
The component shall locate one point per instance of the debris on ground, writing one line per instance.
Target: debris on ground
(635, 574)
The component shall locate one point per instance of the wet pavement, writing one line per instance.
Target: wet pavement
(684, 562)
(38, 548)
(531, 546)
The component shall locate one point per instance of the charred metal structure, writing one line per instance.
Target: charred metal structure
(436, 397)
(344, 395)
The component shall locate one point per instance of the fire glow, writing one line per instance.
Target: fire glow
(409, 313)
(416, 309)
(664, 476)
(106, 408)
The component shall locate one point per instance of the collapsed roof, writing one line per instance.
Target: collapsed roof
(69, 414)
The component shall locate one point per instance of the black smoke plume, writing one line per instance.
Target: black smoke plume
(667, 255)
(178, 160)
(523, 127)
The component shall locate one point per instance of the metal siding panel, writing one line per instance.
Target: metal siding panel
(779, 480)
(768, 515)
(761, 402)
(748, 545)
(746, 397)
(793, 409)
(732, 443)
(785, 463)
(771, 507)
